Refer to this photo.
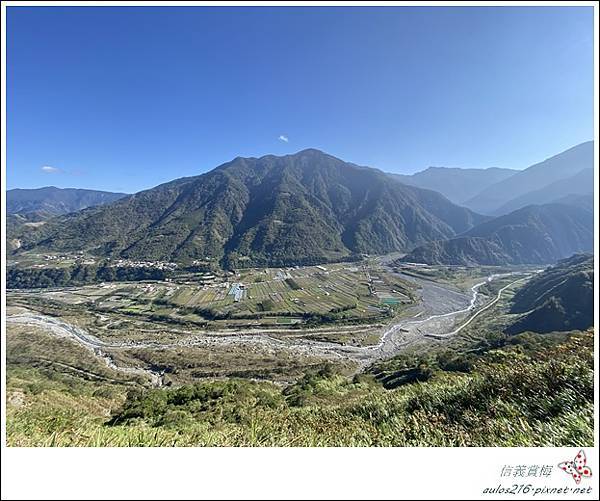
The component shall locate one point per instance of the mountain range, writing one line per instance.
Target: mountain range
(456, 184)
(301, 208)
(495, 191)
(311, 207)
(569, 172)
(41, 203)
(535, 234)
(580, 184)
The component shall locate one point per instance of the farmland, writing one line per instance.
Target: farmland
(264, 323)
(268, 323)
(257, 297)
(254, 342)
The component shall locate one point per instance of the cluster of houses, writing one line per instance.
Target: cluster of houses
(128, 263)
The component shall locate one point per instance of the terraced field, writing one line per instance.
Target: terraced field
(253, 297)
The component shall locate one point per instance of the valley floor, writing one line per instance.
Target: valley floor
(80, 373)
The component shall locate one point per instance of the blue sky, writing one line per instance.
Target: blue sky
(126, 98)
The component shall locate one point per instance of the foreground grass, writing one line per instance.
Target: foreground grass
(511, 397)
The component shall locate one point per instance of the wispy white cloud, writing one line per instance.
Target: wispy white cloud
(50, 170)
(283, 138)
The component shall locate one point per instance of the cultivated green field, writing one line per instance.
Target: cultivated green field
(266, 297)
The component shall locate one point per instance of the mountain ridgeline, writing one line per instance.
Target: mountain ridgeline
(456, 184)
(495, 191)
(536, 234)
(296, 209)
(569, 172)
(41, 203)
(580, 185)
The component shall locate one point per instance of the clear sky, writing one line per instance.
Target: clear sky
(126, 98)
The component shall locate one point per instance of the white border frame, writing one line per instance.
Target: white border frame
(269, 473)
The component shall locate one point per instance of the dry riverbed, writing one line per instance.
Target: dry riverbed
(442, 311)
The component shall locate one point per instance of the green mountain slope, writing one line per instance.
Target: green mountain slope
(560, 298)
(533, 235)
(294, 209)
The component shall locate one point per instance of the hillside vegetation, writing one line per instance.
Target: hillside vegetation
(524, 394)
(559, 299)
